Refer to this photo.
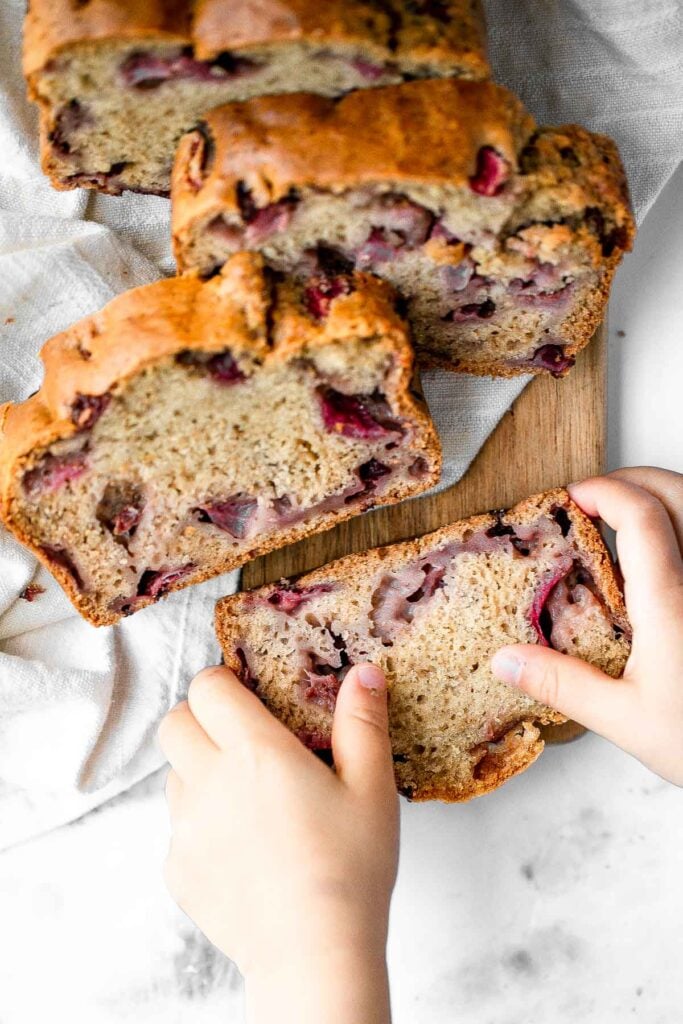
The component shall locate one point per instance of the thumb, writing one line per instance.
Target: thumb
(576, 689)
(360, 732)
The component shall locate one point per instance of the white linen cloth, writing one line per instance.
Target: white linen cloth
(79, 705)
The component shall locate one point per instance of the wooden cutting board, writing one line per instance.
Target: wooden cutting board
(553, 434)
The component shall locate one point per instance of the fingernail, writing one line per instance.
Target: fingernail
(506, 667)
(371, 678)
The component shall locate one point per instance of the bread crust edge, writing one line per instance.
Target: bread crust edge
(513, 751)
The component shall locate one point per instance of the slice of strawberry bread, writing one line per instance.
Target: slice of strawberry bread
(192, 425)
(119, 81)
(431, 612)
(502, 237)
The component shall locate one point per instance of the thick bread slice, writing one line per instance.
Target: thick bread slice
(432, 612)
(192, 425)
(119, 81)
(503, 238)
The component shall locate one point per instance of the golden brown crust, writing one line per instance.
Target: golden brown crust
(53, 25)
(512, 754)
(388, 28)
(598, 176)
(517, 748)
(426, 132)
(158, 320)
(420, 133)
(215, 26)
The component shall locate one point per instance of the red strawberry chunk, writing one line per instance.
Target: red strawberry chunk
(245, 675)
(61, 557)
(545, 589)
(268, 220)
(221, 367)
(381, 245)
(372, 471)
(398, 224)
(315, 739)
(363, 417)
(53, 471)
(142, 70)
(370, 72)
(492, 172)
(289, 599)
(320, 293)
(70, 119)
(224, 369)
(553, 358)
(126, 520)
(322, 689)
(235, 515)
(396, 598)
(433, 581)
(87, 409)
(157, 582)
(401, 217)
(120, 508)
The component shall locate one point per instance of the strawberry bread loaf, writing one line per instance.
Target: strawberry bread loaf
(502, 237)
(119, 81)
(192, 425)
(431, 612)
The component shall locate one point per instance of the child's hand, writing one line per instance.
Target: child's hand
(286, 866)
(643, 714)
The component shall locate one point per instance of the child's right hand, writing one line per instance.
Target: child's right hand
(643, 713)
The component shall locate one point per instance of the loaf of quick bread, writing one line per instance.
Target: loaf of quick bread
(432, 612)
(191, 425)
(119, 81)
(502, 237)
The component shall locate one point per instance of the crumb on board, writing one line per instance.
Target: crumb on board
(31, 592)
(621, 334)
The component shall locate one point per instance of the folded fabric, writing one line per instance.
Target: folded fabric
(78, 705)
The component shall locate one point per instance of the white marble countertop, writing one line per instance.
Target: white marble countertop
(556, 899)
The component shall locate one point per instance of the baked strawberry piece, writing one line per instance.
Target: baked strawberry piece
(501, 237)
(192, 425)
(432, 612)
(118, 82)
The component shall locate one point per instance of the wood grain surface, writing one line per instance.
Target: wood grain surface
(554, 433)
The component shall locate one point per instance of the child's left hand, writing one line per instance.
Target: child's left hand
(286, 866)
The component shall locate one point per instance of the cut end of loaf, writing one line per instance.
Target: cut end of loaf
(119, 84)
(431, 613)
(504, 262)
(191, 426)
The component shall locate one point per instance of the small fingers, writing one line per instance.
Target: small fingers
(231, 714)
(183, 741)
(649, 554)
(665, 485)
(576, 689)
(360, 734)
(173, 791)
